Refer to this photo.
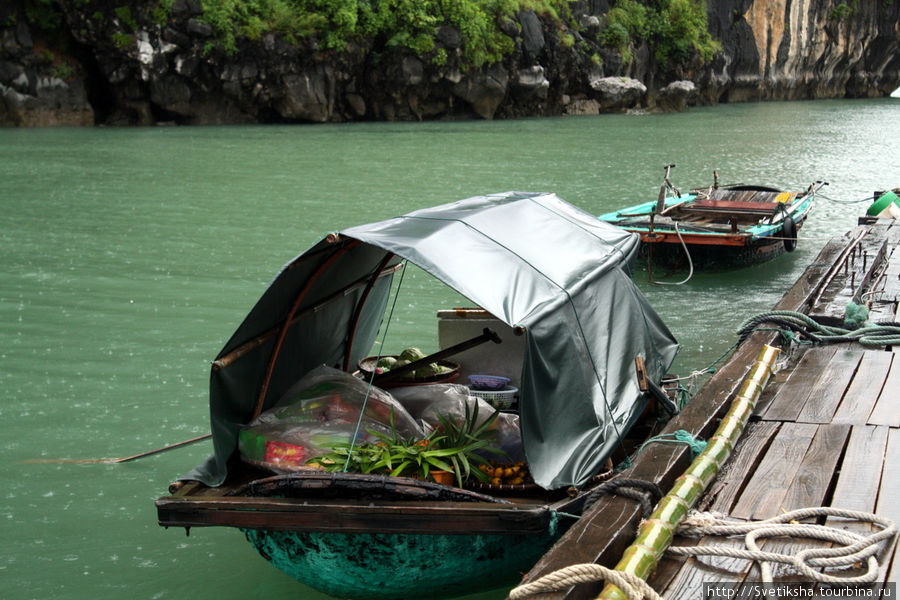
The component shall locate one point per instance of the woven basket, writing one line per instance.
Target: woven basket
(499, 399)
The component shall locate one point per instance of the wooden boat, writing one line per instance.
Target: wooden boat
(717, 226)
(553, 282)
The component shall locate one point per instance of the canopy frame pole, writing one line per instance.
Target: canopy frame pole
(357, 312)
(261, 339)
(276, 350)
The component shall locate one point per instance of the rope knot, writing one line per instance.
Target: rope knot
(646, 493)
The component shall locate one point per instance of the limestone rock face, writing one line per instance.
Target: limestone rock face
(676, 96)
(617, 93)
(34, 90)
(118, 64)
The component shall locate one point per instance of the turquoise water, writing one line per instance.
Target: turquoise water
(129, 256)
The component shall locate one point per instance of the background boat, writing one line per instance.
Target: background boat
(717, 227)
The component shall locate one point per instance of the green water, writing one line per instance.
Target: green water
(129, 256)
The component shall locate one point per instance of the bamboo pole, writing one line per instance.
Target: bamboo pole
(656, 533)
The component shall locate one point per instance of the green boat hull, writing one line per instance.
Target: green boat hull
(385, 566)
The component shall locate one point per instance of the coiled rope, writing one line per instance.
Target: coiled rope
(853, 549)
(869, 335)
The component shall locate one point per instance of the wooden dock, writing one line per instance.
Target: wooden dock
(826, 432)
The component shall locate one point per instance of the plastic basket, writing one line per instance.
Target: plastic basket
(499, 399)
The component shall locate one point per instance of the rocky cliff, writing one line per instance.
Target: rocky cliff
(120, 62)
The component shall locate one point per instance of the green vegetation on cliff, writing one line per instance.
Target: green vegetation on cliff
(675, 29)
(391, 23)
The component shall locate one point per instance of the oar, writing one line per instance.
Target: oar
(117, 460)
(487, 335)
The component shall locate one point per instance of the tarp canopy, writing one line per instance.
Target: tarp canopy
(530, 259)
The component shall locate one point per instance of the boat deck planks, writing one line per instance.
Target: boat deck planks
(830, 388)
(863, 393)
(792, 396)
(889, 492)
(857, 486)
(826, 432)
(886, 411)
(765, 491)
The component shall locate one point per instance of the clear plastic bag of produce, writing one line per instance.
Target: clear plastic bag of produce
(318, 412)
(428, 403)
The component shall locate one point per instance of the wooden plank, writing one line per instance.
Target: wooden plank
(349, 517)
(858, 482)
(766, 490)
(751, 446)
(830, 387)
(814, 476)
(887, 408)
(810, 487)
(766, 207)
(815, 278)
(792, 396)
(865, 389)
(882, 311)
(888, 495)
(891, 290)
(687, 583)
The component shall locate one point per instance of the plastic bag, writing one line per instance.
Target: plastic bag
(318, 412)
(417, 399)
(429, 402)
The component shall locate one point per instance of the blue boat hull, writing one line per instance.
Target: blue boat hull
(384, 566)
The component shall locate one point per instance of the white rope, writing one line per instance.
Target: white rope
(690, 262)
(853, 547)
(633, 586)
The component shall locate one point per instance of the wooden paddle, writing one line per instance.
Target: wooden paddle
(117, 460)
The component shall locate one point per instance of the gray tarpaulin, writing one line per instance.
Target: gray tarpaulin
(530, 259)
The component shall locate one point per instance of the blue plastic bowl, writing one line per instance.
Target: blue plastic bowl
(487, 382)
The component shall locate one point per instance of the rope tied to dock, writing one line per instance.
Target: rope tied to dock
(646, 493)
(678, 437)
(853, 547)
(681, 436)
(633, 586)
